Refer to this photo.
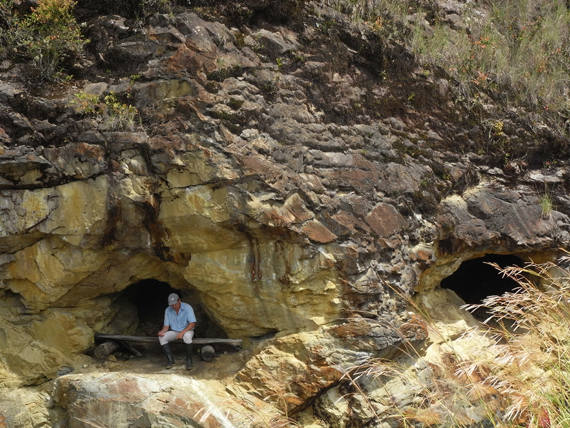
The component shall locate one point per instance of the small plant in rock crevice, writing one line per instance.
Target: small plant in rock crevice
(546, 202)
(121, 116)
(85, 103)
(235, 103)
(111, 112)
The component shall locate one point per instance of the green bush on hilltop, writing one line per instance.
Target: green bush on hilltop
(48, 36)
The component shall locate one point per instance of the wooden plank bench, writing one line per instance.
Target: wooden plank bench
(102, 352)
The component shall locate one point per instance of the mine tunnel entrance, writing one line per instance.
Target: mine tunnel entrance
(142, 310)
(476, 279)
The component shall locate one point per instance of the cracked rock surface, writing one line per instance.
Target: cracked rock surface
(284, 189)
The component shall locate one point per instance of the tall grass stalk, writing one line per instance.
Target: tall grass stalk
(546, 202)
(533, 324)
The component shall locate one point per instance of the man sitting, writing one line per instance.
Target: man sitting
(179, 323)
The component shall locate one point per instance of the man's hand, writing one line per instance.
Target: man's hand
(180, 335)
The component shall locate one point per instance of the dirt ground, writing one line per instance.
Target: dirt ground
(226, 363)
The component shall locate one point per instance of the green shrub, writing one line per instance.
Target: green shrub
(150, 7)
(85, 103)
(49, 35)
(7, 25)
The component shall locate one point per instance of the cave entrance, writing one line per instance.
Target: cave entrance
(148, 299)
(476, 279)
(143, 304)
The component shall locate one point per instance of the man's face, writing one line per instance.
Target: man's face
(176, 306)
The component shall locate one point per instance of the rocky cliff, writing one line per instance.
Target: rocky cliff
(295, 177)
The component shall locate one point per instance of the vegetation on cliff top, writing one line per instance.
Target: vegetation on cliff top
(48, 36)
(501, 55)
(506, 61)
(516, 52)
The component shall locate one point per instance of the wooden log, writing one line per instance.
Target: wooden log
(134, 351)
(150, 339)
(105, 349)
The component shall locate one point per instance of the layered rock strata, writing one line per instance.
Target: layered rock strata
(270, 184)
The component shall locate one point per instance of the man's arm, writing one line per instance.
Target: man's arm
(164, 329)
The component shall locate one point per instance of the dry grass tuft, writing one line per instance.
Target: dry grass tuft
(519, 377)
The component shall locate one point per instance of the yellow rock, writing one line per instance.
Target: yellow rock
(269, 286)
(47, 270)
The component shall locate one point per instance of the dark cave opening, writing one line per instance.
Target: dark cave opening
(149, 297)
(476, 279)
(146, 301)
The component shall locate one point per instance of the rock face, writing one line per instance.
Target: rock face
(265, 187)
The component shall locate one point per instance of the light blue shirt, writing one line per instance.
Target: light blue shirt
(180, 321)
